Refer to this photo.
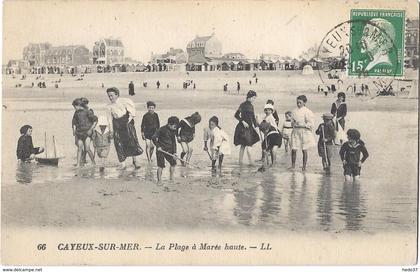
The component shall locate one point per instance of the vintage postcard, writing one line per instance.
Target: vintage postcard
(210, 132)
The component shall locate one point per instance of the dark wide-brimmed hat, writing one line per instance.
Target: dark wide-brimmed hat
(251, 93)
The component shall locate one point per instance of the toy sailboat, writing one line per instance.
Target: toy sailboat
(49, 161)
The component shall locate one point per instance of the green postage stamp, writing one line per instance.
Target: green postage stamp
(377, 42)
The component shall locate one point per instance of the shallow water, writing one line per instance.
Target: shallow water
(384, 199)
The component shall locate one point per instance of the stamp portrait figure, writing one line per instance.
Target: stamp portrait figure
(377, 41)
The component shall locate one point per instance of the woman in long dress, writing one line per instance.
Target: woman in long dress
(123, 111)
(245, 132)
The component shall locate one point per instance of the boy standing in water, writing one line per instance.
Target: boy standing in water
(149, 125)
(83, 123)
(165, 142)
(326, 132)
(350, 155)
(25, 149)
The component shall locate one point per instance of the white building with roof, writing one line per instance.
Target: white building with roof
(204, 47)
(108, 51)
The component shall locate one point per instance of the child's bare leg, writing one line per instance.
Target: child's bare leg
(171, 172)
(189, 154)
(79, 152)
(221, 156)
(152, 148)
(241, 154)
(88, 151)
(305, 159)
(286, 145)
(184, 151)
(347, 178)
(159, 173)
(248, 153)
(102, 164)
(294, 151)
(148, 155)
(273, 155)
(356, 178)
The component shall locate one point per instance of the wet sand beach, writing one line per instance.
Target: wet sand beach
(277, 200)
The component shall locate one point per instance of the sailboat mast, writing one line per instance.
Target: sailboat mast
(55, 148)
(46, 150)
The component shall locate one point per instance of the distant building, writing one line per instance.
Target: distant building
(174, 55)
(17, 67)
(411, 43)
(35, 53)
(73, 55)
(234, 56)
(270, 57)
(204, 47)
(108, 51)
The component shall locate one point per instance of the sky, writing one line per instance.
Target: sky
(286, 28)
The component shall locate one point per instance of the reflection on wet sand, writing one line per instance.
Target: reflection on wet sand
(24, 172)
(352, 205)
(245, 201)
(274, 199)
(298, 202)
(324, 203)
(271, 199)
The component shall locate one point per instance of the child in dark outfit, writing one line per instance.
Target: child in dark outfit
(350, 155)
(83, 123)
(149, 125)
(25, 149)
(165, 139)
(326, 132)
(187, 134)
(272, 141)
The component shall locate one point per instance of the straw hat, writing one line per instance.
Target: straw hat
(327, 116)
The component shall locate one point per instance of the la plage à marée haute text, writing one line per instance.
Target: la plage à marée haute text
(158, 246)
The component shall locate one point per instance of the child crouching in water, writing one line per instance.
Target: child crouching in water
(219, 142)
(26, 151)
(326, 132)
(272, 141)
(165, 141)
(102, 140)
(187, 134)
(350, 155)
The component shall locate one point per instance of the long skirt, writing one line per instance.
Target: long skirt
(245, 136)
(125, 138)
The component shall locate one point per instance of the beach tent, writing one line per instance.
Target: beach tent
(307, 70)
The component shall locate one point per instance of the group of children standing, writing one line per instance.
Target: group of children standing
(296, 133)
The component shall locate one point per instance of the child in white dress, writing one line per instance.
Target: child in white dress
(302, 137)
(219, 142)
